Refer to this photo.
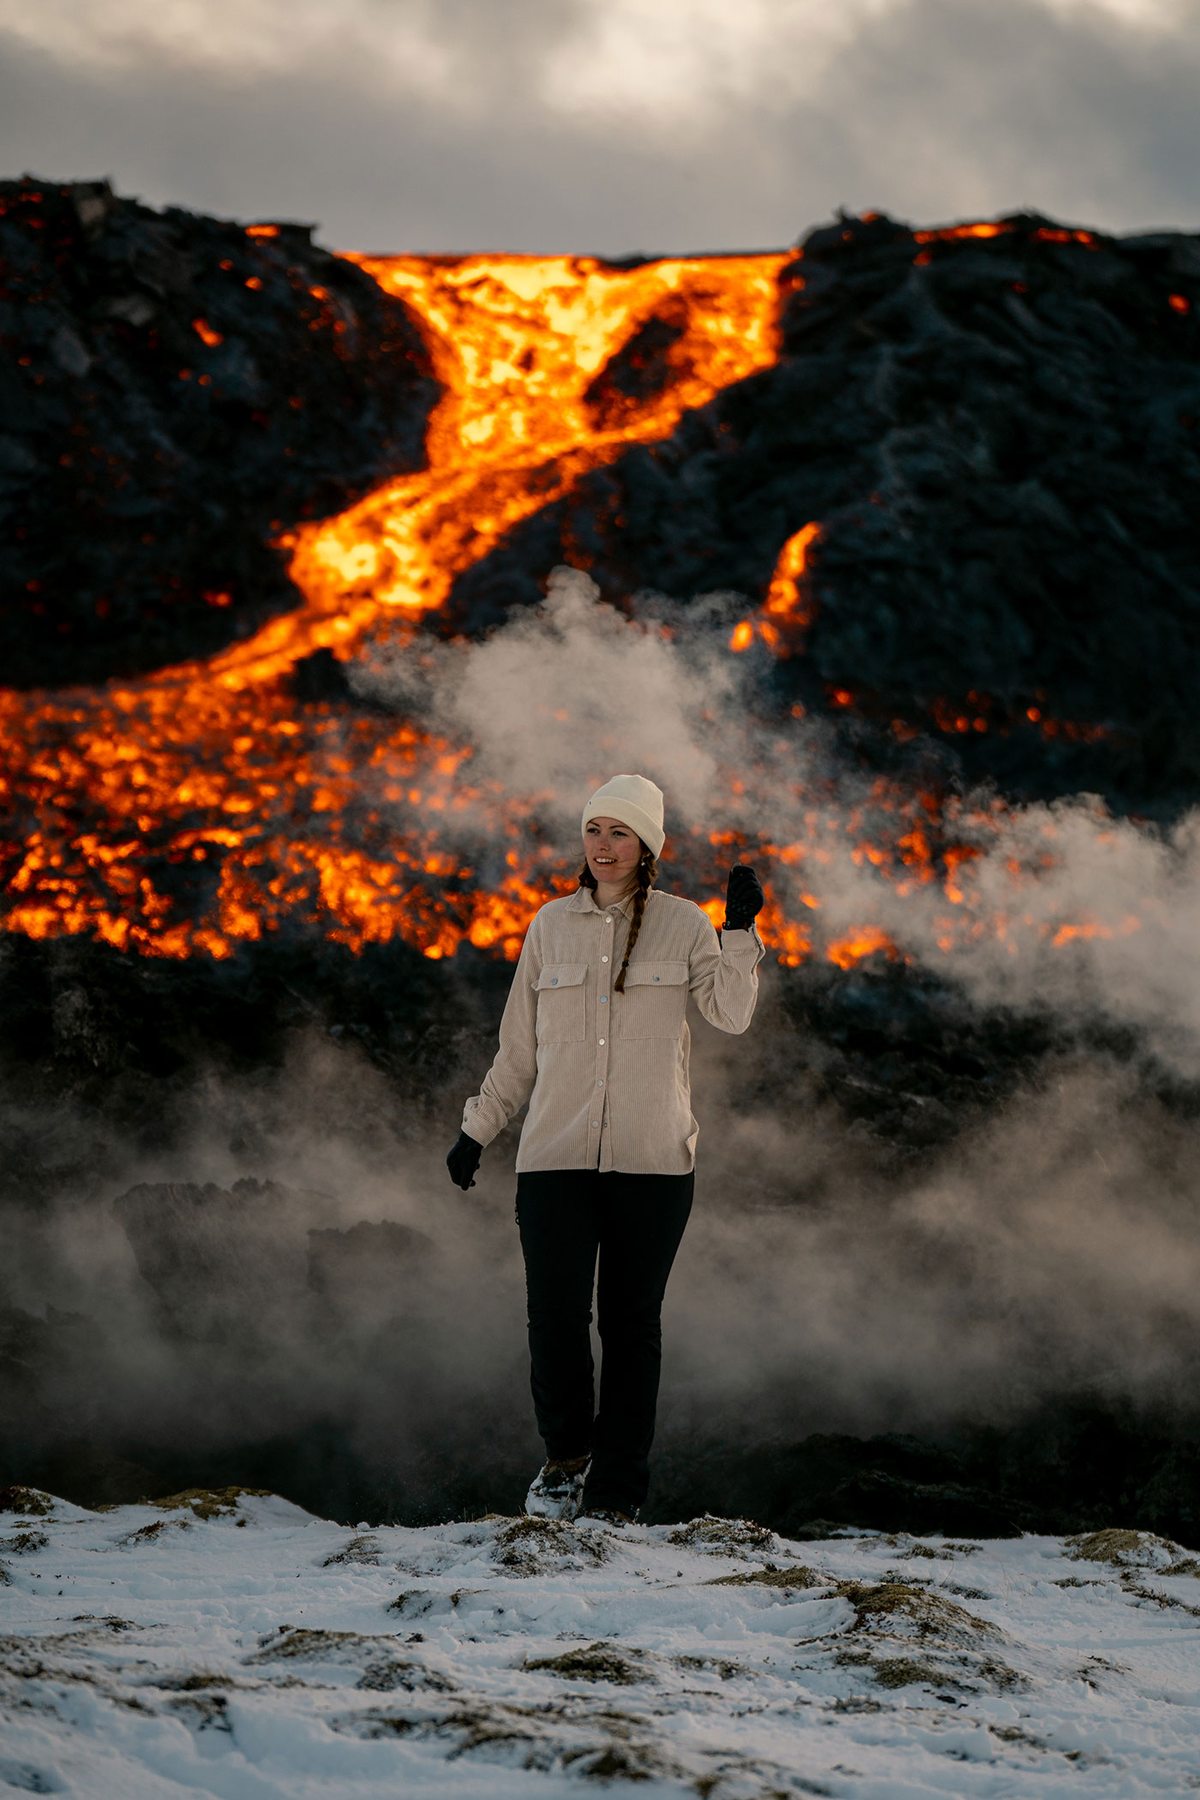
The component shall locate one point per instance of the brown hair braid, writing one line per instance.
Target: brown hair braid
(647, 871)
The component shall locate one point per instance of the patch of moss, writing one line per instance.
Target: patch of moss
(1101, 1665)
(723, 1666)
(293, 1643)
(593, 1662)
(208, 1503)
(371, 1723)
(930, 1613)
(961, 1671)
(1118, 1546)
(391, 1673)
(1017, 1734)
(416, 1602)
(710, 1532)
(734, 1771)
(147, 1534)
(30, 1501)
(23, 1542)
(799, 1575)
(488, 1726)
(362, 1550)
(620, 1762)
(198, 1681)
(526, 1544)
(999, 1675)
(301, 1641)
(904, 1671)
(533, 1530)
(1139, 1592)
(205, 1711)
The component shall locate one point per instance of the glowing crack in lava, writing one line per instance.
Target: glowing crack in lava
(204, 805)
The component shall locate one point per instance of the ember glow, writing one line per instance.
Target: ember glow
(203, 805)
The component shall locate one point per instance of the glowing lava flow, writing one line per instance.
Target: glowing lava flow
(203, 804)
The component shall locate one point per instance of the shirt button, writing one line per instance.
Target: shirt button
(604, 999)
(601, 1040)
(604, 959)
(600, 1083)
(608, 918)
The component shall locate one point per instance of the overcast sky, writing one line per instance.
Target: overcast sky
(612, 126)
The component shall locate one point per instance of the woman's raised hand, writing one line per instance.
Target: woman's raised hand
(462, 1161)
(743, 898)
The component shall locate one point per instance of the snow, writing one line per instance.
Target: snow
(236, 1646)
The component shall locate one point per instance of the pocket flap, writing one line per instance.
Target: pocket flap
(664, 974)
(557, 975)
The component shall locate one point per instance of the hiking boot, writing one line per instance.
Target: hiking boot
(610, 1515)
(557, 1489)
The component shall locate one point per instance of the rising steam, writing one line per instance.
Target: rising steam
(1050, 1250)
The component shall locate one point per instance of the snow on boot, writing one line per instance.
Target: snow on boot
(557, 1489)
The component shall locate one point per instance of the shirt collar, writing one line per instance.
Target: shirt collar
(583, 900)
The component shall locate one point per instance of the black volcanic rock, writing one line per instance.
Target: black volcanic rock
(641, 368)
(175, 391)
(999, 436)
(220, 1262)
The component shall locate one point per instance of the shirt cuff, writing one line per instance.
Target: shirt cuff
(480, 1125)
(736, 939)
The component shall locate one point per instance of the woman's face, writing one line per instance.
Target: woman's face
(612, 850)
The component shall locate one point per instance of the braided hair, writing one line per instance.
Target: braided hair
(647, 871)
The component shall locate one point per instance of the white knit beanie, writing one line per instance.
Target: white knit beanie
(636, 802)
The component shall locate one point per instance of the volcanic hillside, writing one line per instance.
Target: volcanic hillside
(927, 495)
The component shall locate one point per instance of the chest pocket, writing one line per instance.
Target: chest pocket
(560, 1003)
(654, 1001)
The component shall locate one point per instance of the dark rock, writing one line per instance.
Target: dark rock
(183, 390)
(997, 436)
(222, 1263)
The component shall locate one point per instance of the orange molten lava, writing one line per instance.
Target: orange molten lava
(204, 805)
(210, 779)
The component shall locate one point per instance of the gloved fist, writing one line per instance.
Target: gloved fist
(463, 1160)
(743, 898)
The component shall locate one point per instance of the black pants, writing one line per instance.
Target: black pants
(636, 1223)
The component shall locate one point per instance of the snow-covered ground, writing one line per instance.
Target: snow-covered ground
(236, 1646)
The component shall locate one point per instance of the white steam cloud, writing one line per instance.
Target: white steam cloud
(1060, 907)
(1051, 1250)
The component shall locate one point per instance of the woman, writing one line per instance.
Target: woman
(594, 1037)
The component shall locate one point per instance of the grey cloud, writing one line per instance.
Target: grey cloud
(950, 109)
(935, 110)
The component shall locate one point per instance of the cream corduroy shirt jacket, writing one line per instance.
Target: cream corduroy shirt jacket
(606, 1074)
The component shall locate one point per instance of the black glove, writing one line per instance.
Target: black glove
(743, 898)
(463, 1160)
